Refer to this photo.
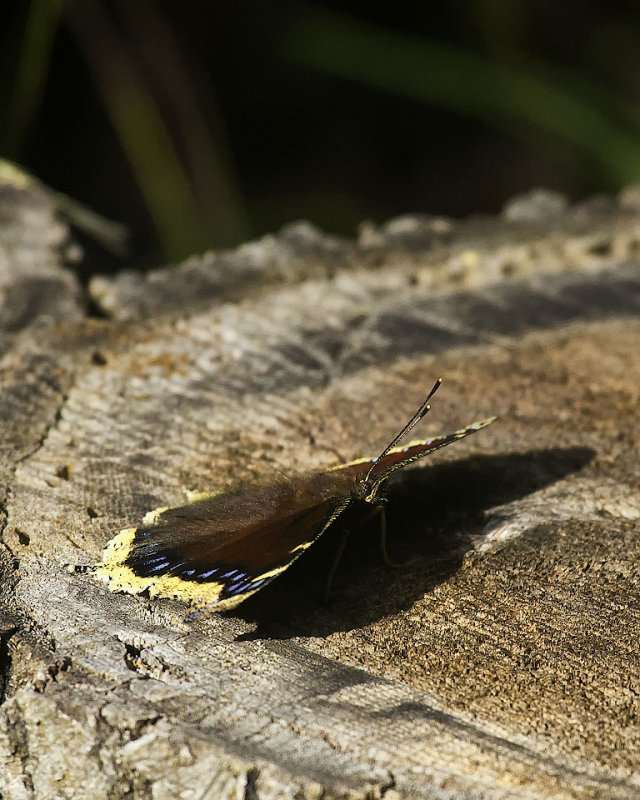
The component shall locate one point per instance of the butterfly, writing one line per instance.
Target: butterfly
(220, 549)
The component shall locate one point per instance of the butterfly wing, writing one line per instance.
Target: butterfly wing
(216, 552)
(380, 469)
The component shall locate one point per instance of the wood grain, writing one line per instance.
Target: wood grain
(499, 660)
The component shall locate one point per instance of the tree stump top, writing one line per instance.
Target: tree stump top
(500, 659)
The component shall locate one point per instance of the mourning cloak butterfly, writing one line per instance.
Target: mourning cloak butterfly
(220, 549)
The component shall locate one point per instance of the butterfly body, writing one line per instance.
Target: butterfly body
(220, 549)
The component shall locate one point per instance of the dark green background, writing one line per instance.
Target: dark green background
(203, 124)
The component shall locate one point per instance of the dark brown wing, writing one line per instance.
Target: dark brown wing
(216, 552)
(380, 469)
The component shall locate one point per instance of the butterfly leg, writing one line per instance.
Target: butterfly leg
(377, 510)
(336, 561)
(381, 512)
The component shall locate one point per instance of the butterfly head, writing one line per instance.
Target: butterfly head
(367, 488)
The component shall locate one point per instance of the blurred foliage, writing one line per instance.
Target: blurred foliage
(202, 124)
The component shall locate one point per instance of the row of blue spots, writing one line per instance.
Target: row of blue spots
(240, 584)
(232, 578)
(162, 564)
(236, 581)
(217, 572)
(249, 584)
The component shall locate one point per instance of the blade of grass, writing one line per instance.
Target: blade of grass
(451, 78)
(35, 46)
(141, 130)
(203, 140)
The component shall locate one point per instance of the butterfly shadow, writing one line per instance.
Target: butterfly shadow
(434, 516)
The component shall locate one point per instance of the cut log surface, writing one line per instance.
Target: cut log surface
(499, 659)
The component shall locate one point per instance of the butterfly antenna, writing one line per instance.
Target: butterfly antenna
(420, 413)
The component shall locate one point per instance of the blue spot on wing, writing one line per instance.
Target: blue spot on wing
(158, 568)
(208, 574)
(234, 586)
(156, 560)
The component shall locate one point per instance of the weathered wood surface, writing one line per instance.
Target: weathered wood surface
(500, 660)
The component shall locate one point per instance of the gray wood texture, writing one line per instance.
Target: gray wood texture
(500, 659)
